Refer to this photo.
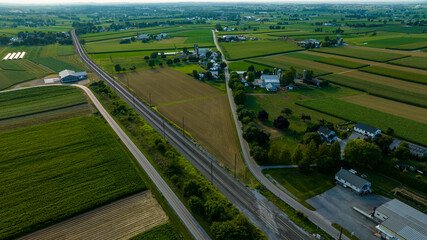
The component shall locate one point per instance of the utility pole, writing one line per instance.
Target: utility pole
(340, 234)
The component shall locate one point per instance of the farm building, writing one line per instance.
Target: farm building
(400, 221)
(351, 180)
(142, 36)
(271, 88)
(71, 76)
(326, 134)
(367, 130)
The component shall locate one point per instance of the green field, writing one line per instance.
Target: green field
(55, 64)
(303, 186)
(411, 46)
(361, 53)
(380, 90)
(304, 56)
(341, 62)
(52, 50)
(11, 65)
(394, 73)
(407, 129)
(60, 169)
(35, 100)
(415, 62)
(10, 78)
(163, 232)
(277, 62)
(249, 49)
(244, 65)
(398, 43)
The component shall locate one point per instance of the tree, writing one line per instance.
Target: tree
(117, 67)
(237, 229)
(245, 113)
(146, 57)
(223, 65)
(169, 62)
(311, 136)
(274, 153)
(311, 152)
(154, 55)
(215, 211)
(285, 154)
(251, 68)
(239, 97)
(218, 27)
(196, 205)
(260, 154)
(325, 164)
(208, 75)
(402, 152)
(262, 115)
(309, 75)
(324, 150)
(389, 131)
(287, 111)
(151, 63)
(252, 134)
(185, 50)
(304, 165)
(195, 74)
(192, 188)
(289, 76)
(360, 153)
(176, 60)
(250, 77)
(383, 142)
(298, 155)
(281, 122)
(335, 151)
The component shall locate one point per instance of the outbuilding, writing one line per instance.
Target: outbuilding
(351, 180)
(367, 130)
(326, 134)
(71, 76)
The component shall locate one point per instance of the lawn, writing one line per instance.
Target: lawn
(359, 52)
(55, 64)
(53, 171)
(250, 49)
(35, 100)
(341, 62)
(379, 89)
(394, 73)
(405, 128)
(414, 62)
(303, 186)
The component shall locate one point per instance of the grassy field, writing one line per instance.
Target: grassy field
(394, 73)
(11, 65)
(10, 78)
(249, 49)
(244, 65)
(60, 169)
(163, 232)
(411, 46)
(35, 69)
(36, 100)
(392, 41)
(52, 50)
(414, 62)
(56, 64)
(304, 56)
(379, 89)
(284, 63)
(341, 63)
(403, 127)
(303, 186)
(418, 114)
(358, 52)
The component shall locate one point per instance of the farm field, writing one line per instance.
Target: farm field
(121, 219)
(52, 50)
(303, 186)
(394, 73)
(283, 62)
(379, 89)
(392, 41)
(243, 66)
(304, 55)
(10, 78)
(45, 169)
(341, 63)
(411, 46)
(35, 100)
(35, 69)
(363, 53)
(403, 127)
(418, 114)
(249, 49)
(415, 62)
(163, 232)
(55, 64)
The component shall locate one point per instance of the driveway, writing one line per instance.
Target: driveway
(337, 204)
(351, 137)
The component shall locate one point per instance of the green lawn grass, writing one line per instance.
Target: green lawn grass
(34, 100)
(53, 171)
(303, 186)
(361, 53)
(380, 90)
(414, 62)
(394, 73)
(341, 62)
(405, 128)
(249, 49)
(56, 64)
(162, 232)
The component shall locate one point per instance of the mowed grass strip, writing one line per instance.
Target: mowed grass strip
(414, 62)
(39, 99)
(405, 128)
(250, 49)
(418, 114)
(360, 52)
(378, 89)
(394, 73)
(341, 63)
(56, 64)
(56, 170)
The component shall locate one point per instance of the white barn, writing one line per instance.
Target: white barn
(350, 180)
(367, 130)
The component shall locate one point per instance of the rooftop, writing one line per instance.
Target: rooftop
(365, 127)
(270, 78)
(324, 130)
(351, 178)
(65, 73)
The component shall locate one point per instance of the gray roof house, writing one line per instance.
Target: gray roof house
(71, 76)
(367, 130)
(272, 79)
(350, 180)
(400, 221)
(271, 88)
(326, 134)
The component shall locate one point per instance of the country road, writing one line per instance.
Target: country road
(264, 214)
(189, 221)
(316, 218)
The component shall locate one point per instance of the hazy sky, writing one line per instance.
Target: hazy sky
(56, 2)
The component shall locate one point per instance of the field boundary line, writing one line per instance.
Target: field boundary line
(190, 100)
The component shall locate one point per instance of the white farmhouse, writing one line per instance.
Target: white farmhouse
(367, 130)
(351, 180)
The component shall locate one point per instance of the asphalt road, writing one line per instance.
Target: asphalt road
(264, 214)
(315, 217)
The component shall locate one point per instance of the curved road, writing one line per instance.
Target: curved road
(316, 218)
(189, 221)
(264, 214)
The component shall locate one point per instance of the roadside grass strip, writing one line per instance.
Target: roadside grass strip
(394, 73)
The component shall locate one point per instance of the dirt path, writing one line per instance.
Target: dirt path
(121, 219)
